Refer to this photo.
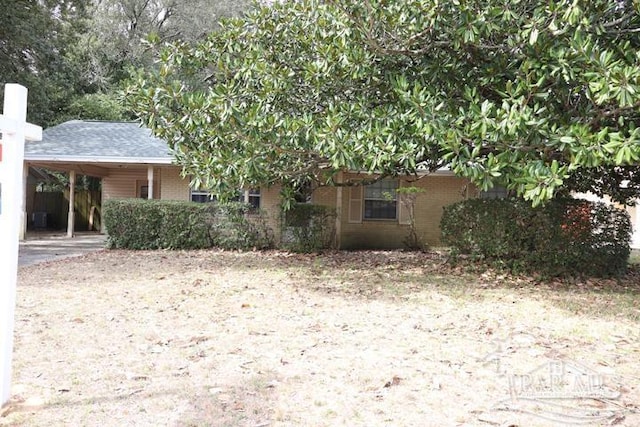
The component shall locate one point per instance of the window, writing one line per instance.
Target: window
(251, 196)
(496, 192)
(380, 200)
(201, 196)
(142, 189)
(143, 192)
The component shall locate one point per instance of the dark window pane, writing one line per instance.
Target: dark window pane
(202, 198)
(380, 200)
(254, 201)
(379, 209)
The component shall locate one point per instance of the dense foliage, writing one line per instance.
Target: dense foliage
(237, 225)
(159, 224)
(308, 228)
(36, 43)
(72, 55)
(523, 94)
(564, 237)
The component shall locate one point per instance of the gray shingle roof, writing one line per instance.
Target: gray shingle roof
(97, 141)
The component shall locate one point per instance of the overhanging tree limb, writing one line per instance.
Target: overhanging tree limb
(502, 94)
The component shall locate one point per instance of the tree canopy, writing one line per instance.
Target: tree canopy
(119, 30)
(73, 55)
(36, 39)
(524, 94)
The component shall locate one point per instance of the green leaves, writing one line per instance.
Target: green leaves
(303, 90)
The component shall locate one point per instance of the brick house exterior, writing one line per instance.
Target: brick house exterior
(355, 231)
(130, 162)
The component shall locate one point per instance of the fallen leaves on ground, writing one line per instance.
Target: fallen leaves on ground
(364, 338)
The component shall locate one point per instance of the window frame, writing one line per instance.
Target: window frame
(201, 193)
(395, 183)
(249, 196)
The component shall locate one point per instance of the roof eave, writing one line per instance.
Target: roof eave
(99, 159)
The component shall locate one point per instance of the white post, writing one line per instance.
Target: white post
(150, 182)
(14, 130)
(71, 218)
(636, 227)
(23, 208)
(338, 225)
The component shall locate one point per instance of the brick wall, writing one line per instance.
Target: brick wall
(121, 182)
(174, 187)
(125, 182)
(270, 205)
(440, 190)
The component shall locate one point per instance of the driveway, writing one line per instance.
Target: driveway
(50, 247)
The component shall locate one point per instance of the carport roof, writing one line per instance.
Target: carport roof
(98, 142)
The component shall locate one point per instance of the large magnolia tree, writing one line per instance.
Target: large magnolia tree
(537, 96)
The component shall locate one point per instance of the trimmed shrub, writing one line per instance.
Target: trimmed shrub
(156, 224)
(237, 225)
(164, 224)
(566, 237)
(308, 228)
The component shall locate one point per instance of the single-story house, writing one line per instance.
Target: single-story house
(132, 163)
(128, 159)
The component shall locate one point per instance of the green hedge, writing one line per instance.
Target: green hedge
(163, 224)
(308, 228)
(238, 225)
(566, 237)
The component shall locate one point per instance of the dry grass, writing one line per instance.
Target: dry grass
(272, 339)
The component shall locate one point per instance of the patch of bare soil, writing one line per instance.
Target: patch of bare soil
(210, 338)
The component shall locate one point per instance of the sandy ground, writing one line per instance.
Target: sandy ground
(213, 338)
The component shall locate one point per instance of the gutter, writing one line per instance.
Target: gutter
(101, 159)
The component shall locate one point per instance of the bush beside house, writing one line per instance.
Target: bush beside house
(165, 224)
(308, 227)
(564, 237)
(162, 224)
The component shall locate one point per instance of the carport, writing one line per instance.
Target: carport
(123, 155)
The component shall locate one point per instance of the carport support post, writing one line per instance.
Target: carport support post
(14, 130)
(636, 225)
(150, 182)
(71, 218)
(338, 223)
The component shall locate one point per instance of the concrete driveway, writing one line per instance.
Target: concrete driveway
(39, 248)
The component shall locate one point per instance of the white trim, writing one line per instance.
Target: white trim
(99, 159)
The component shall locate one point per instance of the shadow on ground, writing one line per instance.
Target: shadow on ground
(50, 247)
